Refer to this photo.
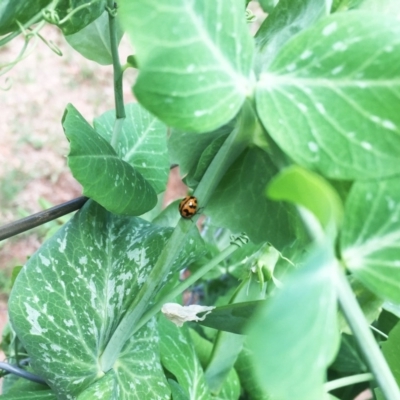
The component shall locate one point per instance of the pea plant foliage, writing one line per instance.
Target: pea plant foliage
(289, 139)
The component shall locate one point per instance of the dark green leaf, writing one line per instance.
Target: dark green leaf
(349, 360)
(370, 238)
(346, 65)
(77, 20)
(239, 203)
(18, 10)
(105, 177)
(186, 149)
(391, 350)
(93, 41)
(231, 318)
(194, 59)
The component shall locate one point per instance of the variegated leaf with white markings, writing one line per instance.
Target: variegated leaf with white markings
(370, 239)
(73, 293)
(179, 357)
(194, 59)
(330, 97)
(142, 143)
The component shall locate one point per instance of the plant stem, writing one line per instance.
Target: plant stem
(118, 75)
(373, 355)
(235, 244)
(229, 151)
(348, 380)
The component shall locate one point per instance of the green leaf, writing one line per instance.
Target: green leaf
(93, 41)
(195, 176)
(240, 205)
(194, 59)
(232, 317)
(104, 388)
(30, 395)
(305, 188)
(268, 5)
(142, 143)
(389, 7)
(106, 178)
(284, 21)
(177, 392)
(18, 10)
(227, 345)
(77, 20)
(178, 357)
(298, 328)
(179, 143)
(370, 237)
(391, 350)
(73, 293)
(335, 69)
(370, 304)
(245, 370)
(349, 360)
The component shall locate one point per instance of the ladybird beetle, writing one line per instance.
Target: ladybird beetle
(188, 207)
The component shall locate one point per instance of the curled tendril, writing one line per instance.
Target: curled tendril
(250, 17)
(51, 45)
(8, 84)
(50, 15)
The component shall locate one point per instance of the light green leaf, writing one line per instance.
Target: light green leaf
(93, 41)
(178, 357)
(298, 328)
(230, 389)
(73, 293)
(305, 188)
(104, 388)
(194, 59)
(245, 208)
(106, 178)
(370, 238)
(284, 21)
(142, 143)
(346, 65)
(389, 7)
(391, 350)
(30, 395)
(177, 392)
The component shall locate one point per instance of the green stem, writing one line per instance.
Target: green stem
(232, 147)
(373, 355)
(235, 244)
(347, 381)
(118, 75)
